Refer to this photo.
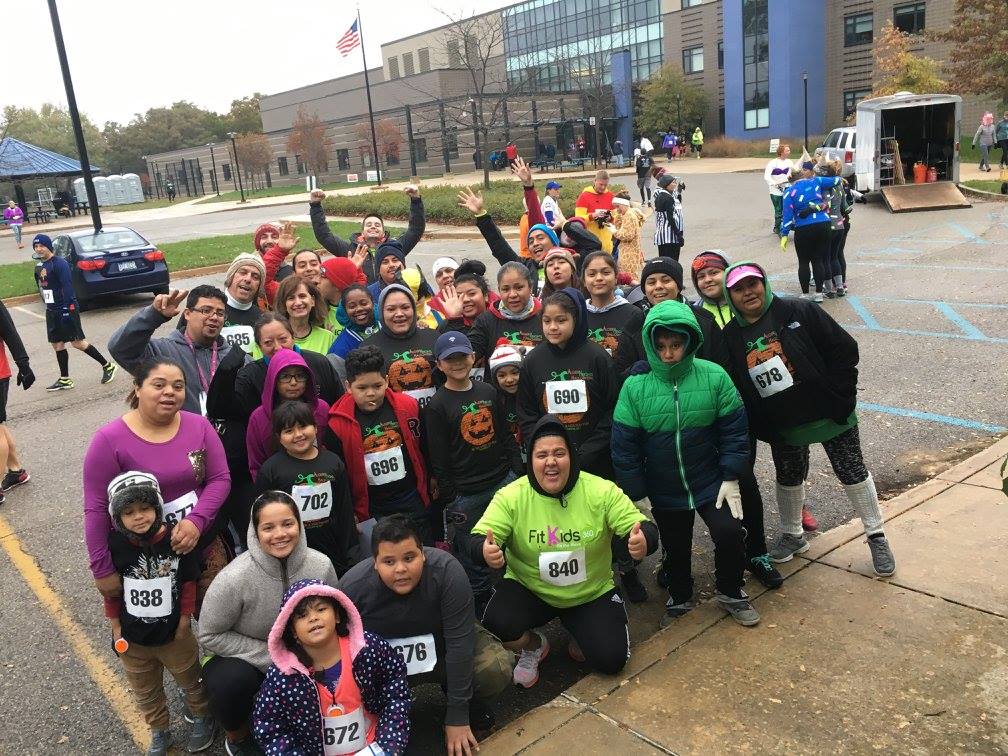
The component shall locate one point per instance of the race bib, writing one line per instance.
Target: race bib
(47, 296)
(240, 336)
(566, 397)
(771, 377)
(563, 567)
(477, 374)
(423, 396)
(385, 466)
(148, 598)
(315, 501)
(344, 733)
(176, 510)
(418, 652)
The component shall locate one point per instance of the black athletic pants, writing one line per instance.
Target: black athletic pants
(599, 627)
(752, 508)
(812, 246)
(232, 686)
(669, 250)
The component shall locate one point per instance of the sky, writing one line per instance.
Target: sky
(130, 55)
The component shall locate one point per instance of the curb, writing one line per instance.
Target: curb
(969, 191)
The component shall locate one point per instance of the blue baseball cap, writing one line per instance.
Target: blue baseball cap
(451, 342)
(553, 185)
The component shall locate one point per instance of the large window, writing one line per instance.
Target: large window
(420, 150)
(393, 68)
(857, 29)
(720, 55)
(226, 170)
(423, 55)
(282, 168)
(454, 56)
(343, 159)
(407, 64)
(909, 18)
(692, 60)
(690, 3)
(851, 97)
(756, 64)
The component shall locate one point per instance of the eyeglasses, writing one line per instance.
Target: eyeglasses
(207, 311)
(292, 378)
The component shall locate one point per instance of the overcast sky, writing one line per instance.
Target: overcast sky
(130, 55)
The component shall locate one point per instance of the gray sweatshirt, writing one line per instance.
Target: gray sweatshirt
(244, 600)
(441, 604)
(133, 342)
(985, 134)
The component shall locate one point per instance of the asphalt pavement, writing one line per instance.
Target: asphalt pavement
(926, 306)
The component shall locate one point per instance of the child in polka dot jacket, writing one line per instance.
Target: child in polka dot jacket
(308, 704)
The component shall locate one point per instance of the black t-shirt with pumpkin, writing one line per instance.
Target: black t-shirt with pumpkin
(409, 361)
(470, 446)
(392, 485)
(605, 328)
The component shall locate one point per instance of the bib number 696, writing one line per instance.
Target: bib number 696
(384, 466)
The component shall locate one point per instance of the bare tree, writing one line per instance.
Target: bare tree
(254, 153)
(390, 139)
(586, 69)
(308, 139)
(362, 133)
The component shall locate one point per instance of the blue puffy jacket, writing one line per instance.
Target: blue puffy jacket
(802, 203)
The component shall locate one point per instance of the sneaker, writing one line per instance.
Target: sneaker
(526, 671)
(574, 651)
(831, 295)
(808, 521)
(108, 372)
(246, 747)
(633, 588)
(61, 384)
(806, 295)
(674, 611)
(763, 570)
(13, 479)
(817, 297)
(841, 291)
(204, 730)
(187, 714)
(883, 561)
(160, 742)
(787, 546)
(739, 608)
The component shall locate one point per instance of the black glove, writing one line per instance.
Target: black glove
(641, 367)
(25, 377)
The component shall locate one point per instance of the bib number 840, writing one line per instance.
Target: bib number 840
(563, 569)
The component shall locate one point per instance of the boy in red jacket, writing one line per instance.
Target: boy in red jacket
(379, 432)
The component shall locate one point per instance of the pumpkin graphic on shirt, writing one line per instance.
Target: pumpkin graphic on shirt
(765, 348)
(410, 370)
(477, 426)
(381, 437)
(607, 338)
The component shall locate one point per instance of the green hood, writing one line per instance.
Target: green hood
(767, 297)
(675, 316)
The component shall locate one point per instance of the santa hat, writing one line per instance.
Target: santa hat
(505, 354)
(257, 236)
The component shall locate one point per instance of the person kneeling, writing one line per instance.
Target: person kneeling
(419, 598)
(680, 438)
(332, 688)
(557, 525)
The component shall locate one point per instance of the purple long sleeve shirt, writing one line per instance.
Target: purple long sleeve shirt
(192, 463)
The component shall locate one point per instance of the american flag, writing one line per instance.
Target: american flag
(348, 41)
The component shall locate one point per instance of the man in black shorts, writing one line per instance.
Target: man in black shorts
(53, 277)
(15, 475)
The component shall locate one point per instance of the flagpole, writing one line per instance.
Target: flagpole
(370, 111)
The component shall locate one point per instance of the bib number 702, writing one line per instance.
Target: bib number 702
(314, 502)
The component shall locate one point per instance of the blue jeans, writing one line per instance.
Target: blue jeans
(16, 228)
(464, 512)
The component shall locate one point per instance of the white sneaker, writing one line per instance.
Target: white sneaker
(526, 671)
(818, 297)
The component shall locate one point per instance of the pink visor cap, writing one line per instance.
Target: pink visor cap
(742, 271)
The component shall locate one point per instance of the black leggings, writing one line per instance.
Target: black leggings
(676, 529)
(840, 254)
(642, 184)
(833, 268)
(599, 627)
(669, 250)
(811, 244)
(232, 686)
(752, 508)
(844, 452)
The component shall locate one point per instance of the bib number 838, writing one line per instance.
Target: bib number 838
(146, 598)
(384, 466)
(340, 735)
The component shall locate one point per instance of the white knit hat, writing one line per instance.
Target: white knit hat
(503, 355)
(441, 263)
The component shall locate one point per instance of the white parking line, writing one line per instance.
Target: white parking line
(19, 308)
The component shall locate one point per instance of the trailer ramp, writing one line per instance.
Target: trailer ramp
(906, 198)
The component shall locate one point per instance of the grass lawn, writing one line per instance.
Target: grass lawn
(984, 186)
(19, 278)
(276, 191)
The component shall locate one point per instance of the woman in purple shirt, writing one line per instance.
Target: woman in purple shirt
(180, 449)
(14, 217)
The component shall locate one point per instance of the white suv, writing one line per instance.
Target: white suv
(839, 145)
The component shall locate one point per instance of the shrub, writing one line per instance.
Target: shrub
(503, 201)
(721, 146)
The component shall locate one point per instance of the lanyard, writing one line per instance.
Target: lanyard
(204, 381)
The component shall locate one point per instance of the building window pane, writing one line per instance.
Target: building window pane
(858, 29)
(755, 64)
(692, 60)
(690, 3)
(343, 159)
(282, 166)
(454, 57)
(424, 56)
(393, 68)
(300, 165)
(407, 64)
(909, 18)
(420, 150)
(226, 170)
(720, 55)
(851, 97)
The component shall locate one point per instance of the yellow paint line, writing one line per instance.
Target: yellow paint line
(19, 308)
(108, 682)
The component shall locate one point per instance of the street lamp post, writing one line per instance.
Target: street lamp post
(213, 168)
(234, 147)
(678, 106)
(804, 78)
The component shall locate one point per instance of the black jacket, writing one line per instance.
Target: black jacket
(345, 248)
(821, 355)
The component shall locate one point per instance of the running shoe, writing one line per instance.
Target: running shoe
(674, 611)
(160, 742)
(633, 588)
(740, 609)
(246, 747)
(787, 546)
(13, 479)
(108, 372)
(883, 561)
(808, 520)
(526, 672)
(817, 297)
(763, 570)
(204, 730)
(574, 651)
(831, 295)
(841, 291)
(61, 384)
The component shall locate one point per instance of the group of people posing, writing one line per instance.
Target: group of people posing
(356, 481)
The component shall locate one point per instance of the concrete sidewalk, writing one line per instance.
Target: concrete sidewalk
(842, 662)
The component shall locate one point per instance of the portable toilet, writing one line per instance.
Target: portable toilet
(118, 187)
(103, 192)
(134, 189)
(80, 191)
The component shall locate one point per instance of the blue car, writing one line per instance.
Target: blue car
(115, 261)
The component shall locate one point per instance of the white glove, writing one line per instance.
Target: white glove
(729, 492)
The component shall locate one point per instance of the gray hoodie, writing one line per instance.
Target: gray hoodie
(244, 600)
(132, 343)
